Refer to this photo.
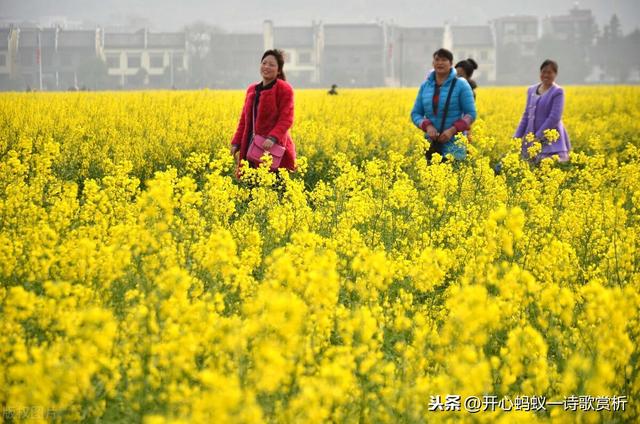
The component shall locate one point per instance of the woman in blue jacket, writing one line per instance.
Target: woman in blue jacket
(444, 107)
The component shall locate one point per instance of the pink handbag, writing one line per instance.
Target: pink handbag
(256, 151)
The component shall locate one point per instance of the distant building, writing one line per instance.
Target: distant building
(144, 59)
(166, 59)
(123, 53)
(46, 58)
(569, 39)
(516, 42)
(578, 26)
(236, 59)
(413, 50)
(354, 55)
(302, 47)
(74, 49)
(599, 75)
(476, 42)
(8, 53)
(36, 57)
(508, 51)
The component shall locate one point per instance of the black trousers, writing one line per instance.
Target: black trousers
(434, 147)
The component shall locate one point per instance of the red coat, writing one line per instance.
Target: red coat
(274, 118)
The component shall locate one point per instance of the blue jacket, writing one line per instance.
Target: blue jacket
(461, 104)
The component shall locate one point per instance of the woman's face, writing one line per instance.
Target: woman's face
(269, 68)
(547, 75)
(460, 72)
(442, 65)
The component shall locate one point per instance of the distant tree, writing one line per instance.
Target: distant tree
(93, 73)
(202, 63)
(629, 52)
(138, 80)
(608, 49)
(614, 27)
(161, 81)
(632, 41)
(571, 58)
(513, 66)
(180, 78)
(508, 57)
(611, 51)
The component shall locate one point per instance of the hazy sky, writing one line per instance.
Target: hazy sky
(248, 15)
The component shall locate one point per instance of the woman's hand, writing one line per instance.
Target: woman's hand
(446, 135)
(432, 132)
(268, 143)
(235, 152)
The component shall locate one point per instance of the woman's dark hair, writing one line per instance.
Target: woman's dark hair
(279, 55)
(552, 63)
(469, 65)
(443, 53)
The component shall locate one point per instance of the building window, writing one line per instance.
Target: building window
(113, 61)
(3, 60)
(287, 57)
(156, 61)
(484, 55)
(511, 29)
(133, 61)
(304, 58)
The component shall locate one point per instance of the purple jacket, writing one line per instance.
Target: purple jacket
(546, 114)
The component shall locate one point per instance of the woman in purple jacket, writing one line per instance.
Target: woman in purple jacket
(545, 102)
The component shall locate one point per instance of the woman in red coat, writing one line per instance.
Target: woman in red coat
(271, 102)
